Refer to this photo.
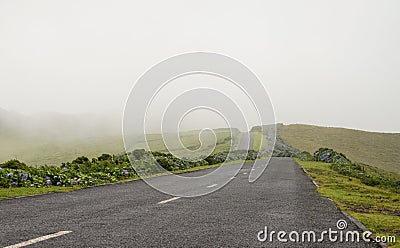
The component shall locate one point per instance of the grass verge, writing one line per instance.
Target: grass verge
(377, 208)
(22, 191)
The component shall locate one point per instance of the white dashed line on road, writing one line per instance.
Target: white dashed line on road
(244, 173)
(212, 185)
(40, 239)
(168, 200)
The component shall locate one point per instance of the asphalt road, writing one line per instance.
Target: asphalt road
(135, 215)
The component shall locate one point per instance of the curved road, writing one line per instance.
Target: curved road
(135, 215)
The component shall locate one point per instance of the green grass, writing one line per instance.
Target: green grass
(260, 141)
(191, 141)
(21, 191)
(377, 208)
(47, 151)
(376, 149)
(257, 140)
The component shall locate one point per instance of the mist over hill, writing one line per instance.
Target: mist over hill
(56, 125)
(53, 137)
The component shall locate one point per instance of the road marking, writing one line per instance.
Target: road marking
(316, 185)
(212, 185)
(40, 239)
(168, 200)
(244, 173)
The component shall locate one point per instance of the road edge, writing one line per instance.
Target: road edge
(348, 216)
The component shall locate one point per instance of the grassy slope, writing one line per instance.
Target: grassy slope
(191, 141)
(377, 208)
(47, 151)
(257, 140)
(375, 149)
(260, 141)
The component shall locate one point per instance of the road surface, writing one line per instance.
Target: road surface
(135, 215)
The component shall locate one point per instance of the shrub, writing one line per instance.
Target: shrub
(371, 180)
(330, 156)
(139, 154)
(104, 157)
(14, 164)
(305, 156)
(81, 160)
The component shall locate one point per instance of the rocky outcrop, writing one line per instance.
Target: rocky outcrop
(328, 155)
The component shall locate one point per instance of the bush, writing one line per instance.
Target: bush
(104, 157)
(14, 164)
(81, 160)
(328, 155)
(371, 180)
(139, 154)
(305, 156)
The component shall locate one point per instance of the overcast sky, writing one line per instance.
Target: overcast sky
(331, 63)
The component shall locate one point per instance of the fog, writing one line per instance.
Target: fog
(56, 126)
(67, 67)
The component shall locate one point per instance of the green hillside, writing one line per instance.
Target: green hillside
(39, 150)
(376, 149)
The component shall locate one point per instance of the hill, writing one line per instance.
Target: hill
(380, 150)
(53, 138)
(42, 150)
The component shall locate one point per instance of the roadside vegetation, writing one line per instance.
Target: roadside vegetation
(367, 174)
(368, 194)
(379, 150)
(17, 178)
